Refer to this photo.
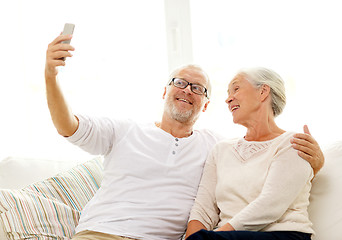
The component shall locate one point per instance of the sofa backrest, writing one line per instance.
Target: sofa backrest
(16, 173)
(325, 210)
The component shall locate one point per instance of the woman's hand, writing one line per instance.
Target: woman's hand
(194, 226)
(226, 227)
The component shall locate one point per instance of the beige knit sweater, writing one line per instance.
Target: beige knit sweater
(256, 186)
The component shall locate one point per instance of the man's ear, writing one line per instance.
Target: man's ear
(205, 106)
(265, 92)
(164, 94)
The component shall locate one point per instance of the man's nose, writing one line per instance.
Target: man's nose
(187, 89)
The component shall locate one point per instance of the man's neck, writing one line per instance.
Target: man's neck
(175, 128)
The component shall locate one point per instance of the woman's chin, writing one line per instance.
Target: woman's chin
(235, 120)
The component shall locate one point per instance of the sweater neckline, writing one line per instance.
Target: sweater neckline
(248, 149)
(266, 141)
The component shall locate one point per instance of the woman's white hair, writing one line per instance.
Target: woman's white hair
(259, 76)
(193, 66)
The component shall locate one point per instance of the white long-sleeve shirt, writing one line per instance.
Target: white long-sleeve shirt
(256, 186)
(150, 177)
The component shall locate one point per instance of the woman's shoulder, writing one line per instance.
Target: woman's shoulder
(283, 139)
(226, 143)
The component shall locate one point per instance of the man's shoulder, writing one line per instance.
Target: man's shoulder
(209, 132)
(210, 136)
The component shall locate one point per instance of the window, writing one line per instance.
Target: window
(298, 39)
(120, 45)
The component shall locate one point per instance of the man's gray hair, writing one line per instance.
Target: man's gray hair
(193, 66)
(260, 76)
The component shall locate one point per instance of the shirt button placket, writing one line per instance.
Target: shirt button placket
(176, 144)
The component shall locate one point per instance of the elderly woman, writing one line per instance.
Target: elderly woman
(256, 187)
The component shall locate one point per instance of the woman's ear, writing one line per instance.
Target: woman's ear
(265, 92)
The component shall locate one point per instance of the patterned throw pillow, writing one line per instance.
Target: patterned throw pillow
(50, 209)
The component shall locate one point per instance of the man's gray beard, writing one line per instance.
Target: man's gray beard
(177, 115)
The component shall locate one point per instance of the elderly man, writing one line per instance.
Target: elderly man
(151, 171)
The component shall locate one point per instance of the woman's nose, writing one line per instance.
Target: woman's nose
(229, 99)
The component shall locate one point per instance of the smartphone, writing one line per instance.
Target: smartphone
(68, 29)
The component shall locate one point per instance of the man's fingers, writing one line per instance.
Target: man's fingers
(51, 65)
(305, 137)
(61, 54)
(310, 159)
(306, 129)
(58, 55)
(60, 39)
(58, 51)
(303, 141)
(308, 149)
(304, 149)
(305, 156)
(57, 58)
(59, 63)
(61, 47)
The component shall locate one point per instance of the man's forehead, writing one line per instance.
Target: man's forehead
(192, 74)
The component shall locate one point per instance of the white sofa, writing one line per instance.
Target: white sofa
(42, 199)
(325, 209)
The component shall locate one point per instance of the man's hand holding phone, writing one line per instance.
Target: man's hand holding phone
(58, 50)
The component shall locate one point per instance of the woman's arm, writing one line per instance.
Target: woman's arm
(204, 213)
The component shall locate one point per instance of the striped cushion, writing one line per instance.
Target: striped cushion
(50, 209)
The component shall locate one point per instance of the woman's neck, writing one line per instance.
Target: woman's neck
(263, 130)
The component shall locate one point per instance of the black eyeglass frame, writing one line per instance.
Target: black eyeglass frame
(191, 86)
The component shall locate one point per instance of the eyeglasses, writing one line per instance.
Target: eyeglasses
(195, 88)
